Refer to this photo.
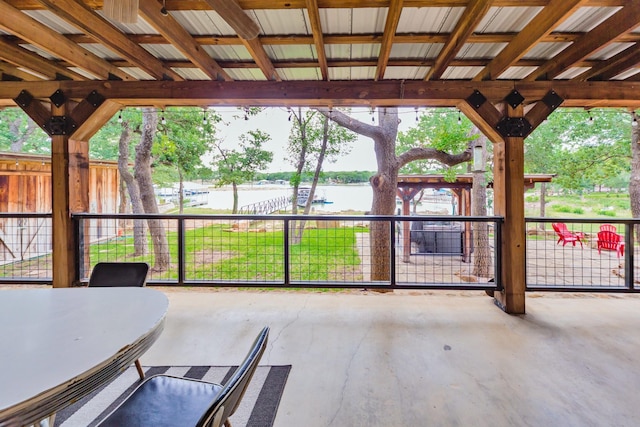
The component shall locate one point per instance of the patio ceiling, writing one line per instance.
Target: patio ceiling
(369, 52)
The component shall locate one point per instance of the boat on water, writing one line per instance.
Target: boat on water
(303, 196)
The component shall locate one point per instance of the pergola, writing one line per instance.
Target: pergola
(506, 64)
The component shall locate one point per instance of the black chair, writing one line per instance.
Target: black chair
(164, 400)
(114, 274)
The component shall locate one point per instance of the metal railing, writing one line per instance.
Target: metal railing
(334, 252)
(582, 261)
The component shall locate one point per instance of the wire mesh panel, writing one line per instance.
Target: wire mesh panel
(25, 252)
(445, 251)
(577, 256)
(234, 250)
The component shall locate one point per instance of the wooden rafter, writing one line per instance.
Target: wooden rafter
(318, 38)
(262, 59)
(473, 14)
(623, 61)
(623, 21)
(181, 39)
(10, 72)
(32, 31)
(75, 12)
(24, 58)
(390, 27)
(540, 26)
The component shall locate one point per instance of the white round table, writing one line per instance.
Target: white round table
(57, 345)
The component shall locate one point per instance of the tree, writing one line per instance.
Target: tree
(634, 181)
(237, 166)
(385, 180)
(142, 173)
(313, 136)
(139, 234)
(185, 138)
(20, 134)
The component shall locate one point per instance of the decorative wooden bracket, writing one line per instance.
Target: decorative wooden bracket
(504, 126)
(59, 125)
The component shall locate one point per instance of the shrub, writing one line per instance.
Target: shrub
(567, 209)
(606, 212)
(532, 198)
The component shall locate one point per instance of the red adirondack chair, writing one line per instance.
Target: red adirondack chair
(610, 241)
(565, 236)
(608, 227)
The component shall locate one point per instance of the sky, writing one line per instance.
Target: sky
(274, 121)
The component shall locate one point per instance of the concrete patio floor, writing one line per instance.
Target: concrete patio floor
(438, 358)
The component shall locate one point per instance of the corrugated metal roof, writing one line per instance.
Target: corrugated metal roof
(228, 53)
(165, 52)
(546, 50)
(353, 51)
(52, 21)
(516, 73)
(586, 18)
(506, 19)
(38, 51)
(284, 52)
(278, 22)
(480, 50)
(203, 22)
(353, 21)
(415, 50)
(457, 73)
(245, 73)
(352, 73)
(100, 51)
(300, 73)
(191, 73)
(137, 73)
(429, 19)
(571, 73)
(140, 27)
(610, 50)
(405, 73)
(627, 74)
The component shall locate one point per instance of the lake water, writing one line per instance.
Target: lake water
(342, 197)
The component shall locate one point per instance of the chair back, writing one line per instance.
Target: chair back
(231, 394)
(609, 237)
(118, 274)
(608, 227)
(560, 227)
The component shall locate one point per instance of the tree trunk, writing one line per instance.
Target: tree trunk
(384, 184)
(295, 235)
(234, 185)
(482, 261)
(17, 145)
(139, 232)
(316, 176)
(143, 176)
(180, 191)
(634, 181)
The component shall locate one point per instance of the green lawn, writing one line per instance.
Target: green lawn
(216, 253)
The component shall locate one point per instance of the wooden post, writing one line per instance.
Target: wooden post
(508, 185)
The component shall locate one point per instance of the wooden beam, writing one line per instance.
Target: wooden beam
(232, 13)
(181, 39)
(539, 27)
(96, 120)
(262, 59)
(336, 93)
(78, 14)
(318, 38)
(473, 14)
(14, 21)
(7, 70)
(21, 57)
(623, 21)
(390, 27)
(623, 61)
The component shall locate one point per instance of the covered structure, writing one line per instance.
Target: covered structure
(410, 185)
(505, 64)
